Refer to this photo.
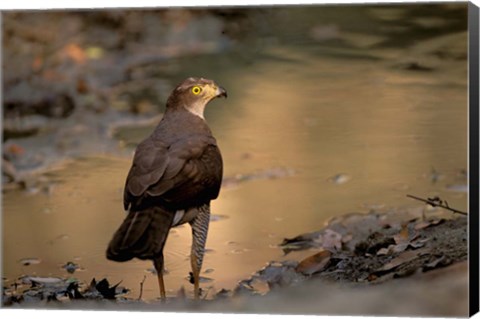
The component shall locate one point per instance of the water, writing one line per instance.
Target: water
(361, 120)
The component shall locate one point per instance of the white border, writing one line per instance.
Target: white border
(87, 4)
(55, 4)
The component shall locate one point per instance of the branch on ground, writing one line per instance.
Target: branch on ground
(141, 288)
(437, 202)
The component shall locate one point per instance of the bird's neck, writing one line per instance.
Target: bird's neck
(195, 109)
(188, 121)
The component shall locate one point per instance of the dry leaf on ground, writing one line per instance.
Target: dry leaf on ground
(403, 258)
(425, 224)
(314, 263)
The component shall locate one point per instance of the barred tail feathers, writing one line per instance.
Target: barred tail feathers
(199, 234)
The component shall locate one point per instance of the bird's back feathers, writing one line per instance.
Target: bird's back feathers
(179, 168)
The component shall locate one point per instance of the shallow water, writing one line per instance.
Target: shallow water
(358, 124)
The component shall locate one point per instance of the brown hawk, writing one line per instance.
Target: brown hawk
(175, 174)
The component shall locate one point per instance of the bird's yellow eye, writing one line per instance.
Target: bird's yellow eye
(196, 90)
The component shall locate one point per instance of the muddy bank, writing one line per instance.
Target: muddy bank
(359, 258)
(440, 293)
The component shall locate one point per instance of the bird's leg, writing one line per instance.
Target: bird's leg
(161, 285)
(196, 276)
(158, 263)
(199, 237)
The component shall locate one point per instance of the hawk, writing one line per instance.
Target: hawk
(175, 174)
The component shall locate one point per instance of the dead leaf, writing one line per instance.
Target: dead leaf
(14, 149)
(314, 263)
(425, 224)
(82, 86)
(399, 248)
(73, 292)
(403, 258)
(107, 291)
(373, 243)
(383, 251)
(299, 242)
(37, 63)
(46, 281)
(331, 240)
(442, 261)
(75, 52)
(372, 277)
(8, 169)
(418, 243)
(402, 236)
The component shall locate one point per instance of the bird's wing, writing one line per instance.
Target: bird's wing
(159, 167)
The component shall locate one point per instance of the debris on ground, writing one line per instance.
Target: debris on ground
(35, 289)
(71, 267)
(363, 248)
(354, 249)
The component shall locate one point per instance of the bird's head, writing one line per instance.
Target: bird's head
(193, 94)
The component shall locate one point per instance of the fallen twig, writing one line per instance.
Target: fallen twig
(141, 287)
(437, 202)
(206, 293)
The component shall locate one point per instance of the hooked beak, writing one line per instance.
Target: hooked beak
(221, 92)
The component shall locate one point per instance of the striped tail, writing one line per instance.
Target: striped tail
(199, 235)
(142, 235)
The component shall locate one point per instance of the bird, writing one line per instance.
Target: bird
(175, 173)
